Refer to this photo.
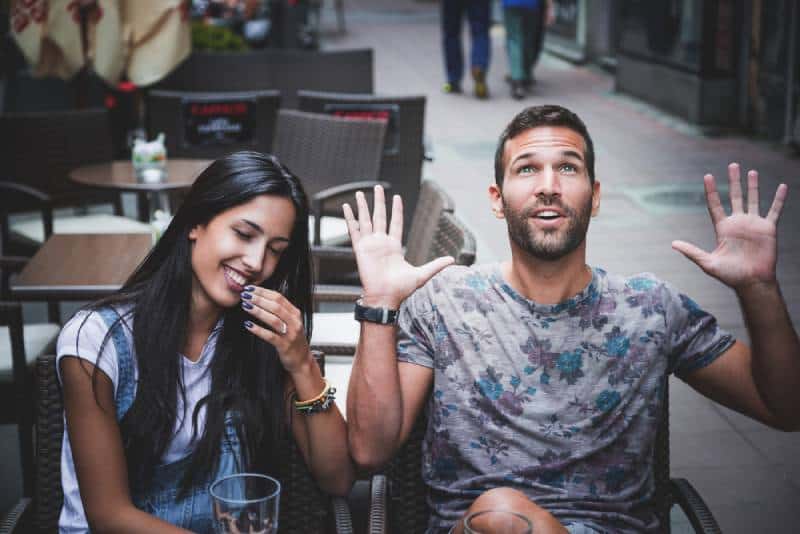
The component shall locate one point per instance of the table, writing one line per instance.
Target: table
(80, 266)
(119, 175)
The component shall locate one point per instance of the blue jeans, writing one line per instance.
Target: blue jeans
(192, 511)
(478, 15)
(521, 41)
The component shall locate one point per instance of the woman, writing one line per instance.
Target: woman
(189, 372)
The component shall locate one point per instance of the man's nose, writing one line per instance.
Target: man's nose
(548, 183)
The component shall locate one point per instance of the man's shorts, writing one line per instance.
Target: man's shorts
(572, 528)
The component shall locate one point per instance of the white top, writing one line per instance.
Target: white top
(196, 379)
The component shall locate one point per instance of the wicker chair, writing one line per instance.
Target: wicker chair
(399, 496)
(37, 150)
(333, 157)
(346, 71)
(337, 333)
(19, 346)
(166, 112)
(404, 152)
(304, 508)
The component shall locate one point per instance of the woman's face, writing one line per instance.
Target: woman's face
(241, 246)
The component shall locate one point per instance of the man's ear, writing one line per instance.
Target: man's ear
(595, 198)
(496, 201)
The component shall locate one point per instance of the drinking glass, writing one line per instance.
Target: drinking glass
(497, 522)
(246, 503)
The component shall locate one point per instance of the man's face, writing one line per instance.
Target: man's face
(547, 196)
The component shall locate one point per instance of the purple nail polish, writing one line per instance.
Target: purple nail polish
(247, 296)
(248, 324)
(249, 288)
(247, 306)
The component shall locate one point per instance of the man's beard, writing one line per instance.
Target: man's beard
(553, 244)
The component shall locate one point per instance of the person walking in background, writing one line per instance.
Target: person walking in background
(524, 22)
(478, 15)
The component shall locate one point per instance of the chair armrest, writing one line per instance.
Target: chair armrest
(13, 264)
(14, 520)
(694, 506)
(26, 190)
(321, 197)
(330, 252)
(336, 293)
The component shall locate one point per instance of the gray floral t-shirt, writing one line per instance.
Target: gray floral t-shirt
(558, 401)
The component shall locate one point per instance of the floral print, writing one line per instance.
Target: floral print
(559, 401)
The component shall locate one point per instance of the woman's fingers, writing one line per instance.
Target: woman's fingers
(273, 310)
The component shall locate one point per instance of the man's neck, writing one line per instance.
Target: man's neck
(547, 282)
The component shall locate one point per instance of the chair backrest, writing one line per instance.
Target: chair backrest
(433, 201)
(347, 71)
(408, 506)
(39, 150)
(303, 509)
(325, 151)
(210, 125)
(453, 238)
(401, 164)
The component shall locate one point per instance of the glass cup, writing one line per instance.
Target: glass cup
(246, 503)
(497, 522)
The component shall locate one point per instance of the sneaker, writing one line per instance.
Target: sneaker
(450, 88)
(479, 77)
(517, 90)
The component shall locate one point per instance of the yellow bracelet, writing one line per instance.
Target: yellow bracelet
(318, 398)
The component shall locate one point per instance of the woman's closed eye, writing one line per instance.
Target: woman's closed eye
(243, 235)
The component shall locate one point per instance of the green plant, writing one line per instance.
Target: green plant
(206, 37)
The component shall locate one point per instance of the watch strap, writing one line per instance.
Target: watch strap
(376, 315)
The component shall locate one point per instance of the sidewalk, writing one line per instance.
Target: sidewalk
(651, 167)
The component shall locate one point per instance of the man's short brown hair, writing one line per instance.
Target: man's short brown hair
(533, 117)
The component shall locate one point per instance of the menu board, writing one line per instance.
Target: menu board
(218, 122)
(382, 112)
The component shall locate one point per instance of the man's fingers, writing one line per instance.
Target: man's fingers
(752, 192)
(364, 223)
(777, 204)
(735, 188)
(352, 223)
(379, 211)
(713, 202)
(694, 253)
(432, 267)
(396, 226)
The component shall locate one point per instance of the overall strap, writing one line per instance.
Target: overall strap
(126, 386)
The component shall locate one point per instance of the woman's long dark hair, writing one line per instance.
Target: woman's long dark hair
(247, 378)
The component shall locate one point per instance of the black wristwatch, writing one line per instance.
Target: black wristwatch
(375, 315)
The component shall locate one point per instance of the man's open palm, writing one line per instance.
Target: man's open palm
(382, 267)
(746, 251)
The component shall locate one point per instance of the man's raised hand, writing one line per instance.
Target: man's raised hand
(746, 252)
(386, 276)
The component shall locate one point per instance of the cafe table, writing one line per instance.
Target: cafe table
(80, 266)
(180, 174)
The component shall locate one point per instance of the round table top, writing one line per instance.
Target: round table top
(181, 174)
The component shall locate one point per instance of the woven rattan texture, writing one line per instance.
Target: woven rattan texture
(325, 151)
(401, 166)
(453, 238)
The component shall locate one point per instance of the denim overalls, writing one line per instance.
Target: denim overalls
(194, 511)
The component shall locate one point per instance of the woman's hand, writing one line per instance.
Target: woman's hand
(386, 276)
(282, 322)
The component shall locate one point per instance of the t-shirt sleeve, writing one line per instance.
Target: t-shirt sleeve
(84, 335)
(415, 329)
(694, 339)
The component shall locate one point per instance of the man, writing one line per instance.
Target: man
(543, 377)
(478, 14)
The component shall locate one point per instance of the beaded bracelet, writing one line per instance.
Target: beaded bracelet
(320, 403)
